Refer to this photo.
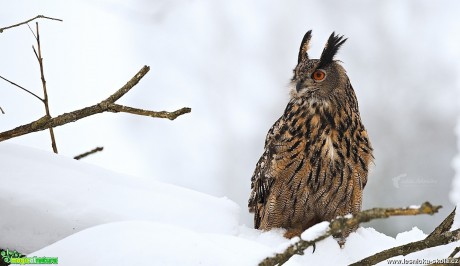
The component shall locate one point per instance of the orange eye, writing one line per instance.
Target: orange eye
(318, 75)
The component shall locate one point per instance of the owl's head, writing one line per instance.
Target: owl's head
(321, 78)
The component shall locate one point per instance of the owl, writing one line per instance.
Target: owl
(317, 154)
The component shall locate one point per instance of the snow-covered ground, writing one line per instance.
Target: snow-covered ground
(55, 206)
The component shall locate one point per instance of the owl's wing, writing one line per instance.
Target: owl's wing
(263, 178)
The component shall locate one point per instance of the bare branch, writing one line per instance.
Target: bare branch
(83, 155)
(346, 223)
(445, 226)
(456, 250)
(27, 21)
(128, 86)
(2, 110)
(22, 88)
(104, 106)
(115, 108)
(45, 93)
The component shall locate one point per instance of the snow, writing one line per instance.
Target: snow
(54, 206)
(315, 231)
(150, 243)
(68, 196)
(455, 191)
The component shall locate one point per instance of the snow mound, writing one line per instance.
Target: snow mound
(150, 243)
(48, 197)
(55, 206)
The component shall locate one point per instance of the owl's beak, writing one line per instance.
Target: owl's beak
(299, 85)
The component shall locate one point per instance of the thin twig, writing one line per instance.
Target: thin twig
(22, 88)
(2, 110)
(45, 93)
(103, 106)
(27, 21)
(345, 223)
(83, 155)
(33, 33)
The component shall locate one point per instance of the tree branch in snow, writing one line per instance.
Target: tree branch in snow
(27, 21)
(83, 155)
(107, 105)
(445, 226)
(2, 110)
(345, 223)
(440, 236)
(456, 250)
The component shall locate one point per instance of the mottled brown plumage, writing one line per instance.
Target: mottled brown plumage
(317, 154)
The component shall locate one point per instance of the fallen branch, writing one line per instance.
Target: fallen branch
(346, 223)
(2, 110)
(107, 105)
(27, 21)
(83, 155)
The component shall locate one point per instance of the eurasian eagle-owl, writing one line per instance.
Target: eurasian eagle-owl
(317, 154)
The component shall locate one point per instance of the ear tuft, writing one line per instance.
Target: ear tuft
(304, 46)
(330, 50)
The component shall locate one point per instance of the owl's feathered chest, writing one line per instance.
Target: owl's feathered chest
(314, 141)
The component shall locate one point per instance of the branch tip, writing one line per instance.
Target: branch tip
(29, 20)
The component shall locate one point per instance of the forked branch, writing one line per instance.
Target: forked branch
(107, 105)
(27, 21)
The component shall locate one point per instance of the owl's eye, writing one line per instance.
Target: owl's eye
(318, 75)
